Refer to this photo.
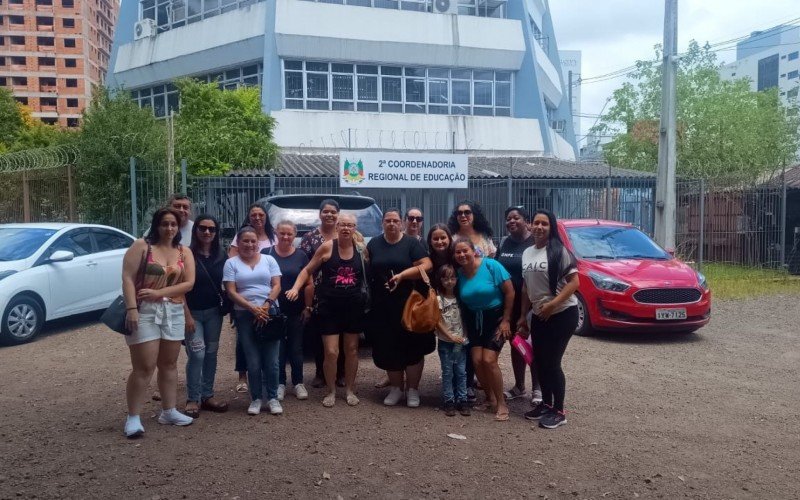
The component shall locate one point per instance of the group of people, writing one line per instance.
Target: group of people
(335, 286)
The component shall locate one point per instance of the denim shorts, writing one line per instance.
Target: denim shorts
(159, 321)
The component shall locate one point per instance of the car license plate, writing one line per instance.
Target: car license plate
(668, 314)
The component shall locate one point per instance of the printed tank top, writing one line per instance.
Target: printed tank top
(156, 276)
(341, 277)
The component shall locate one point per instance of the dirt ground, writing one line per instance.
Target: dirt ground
(714, 414)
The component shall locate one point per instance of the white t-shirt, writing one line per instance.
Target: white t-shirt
(536, 278)
(186, 233)
(451, 314)
(253, 284)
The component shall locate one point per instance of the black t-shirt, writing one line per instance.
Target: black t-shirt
(510, 256)
(207, 283)
(385, 258)
(290, 269)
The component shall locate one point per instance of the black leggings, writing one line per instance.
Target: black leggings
(550, 339)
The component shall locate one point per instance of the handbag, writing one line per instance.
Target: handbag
(114, 316)
(421, 312)
(272, 329)
(225, 304)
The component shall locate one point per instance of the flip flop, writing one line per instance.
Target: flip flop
(329, 400)
(501, 417)
(352, 399)
(241, 387)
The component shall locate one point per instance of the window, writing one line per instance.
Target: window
(21, 100)
(44, 21)
(45, 41)
(49, 121)
(169, 14)
(2, 61)
(72, 122)
(15, 2)
(71, 63)
(768, 72)
(72, 103)
(47, 61)
(69, 43)
(17, 40)
(44, 3)
(79, 242)
(48, 101)
(72, 83)
(68, 22)
(793, 55)
(16, 20)
(19, 81)
(47, 82)
(108, 240)
(18, 60)
(68, 3)
(792, 75)
(3, 81)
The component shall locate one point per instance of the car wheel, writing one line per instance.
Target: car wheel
(584, 328)
(22, 321)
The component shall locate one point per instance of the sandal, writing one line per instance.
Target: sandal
(352, 399)
(192, 412)
(242, 387)
(329, 400)
(212, 404)
(501, 417)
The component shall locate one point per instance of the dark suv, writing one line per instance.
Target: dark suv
(303, 210)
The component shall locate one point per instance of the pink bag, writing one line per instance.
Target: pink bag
(524, 348)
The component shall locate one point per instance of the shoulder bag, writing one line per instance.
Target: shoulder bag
(421, 313)
(225, 305)
(114, 316)
(365, 292)
(272, 329)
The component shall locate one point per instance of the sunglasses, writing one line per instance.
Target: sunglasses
(206, 229)
(463, 213)
(414, 218)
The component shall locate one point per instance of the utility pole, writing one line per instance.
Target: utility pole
(665, 180)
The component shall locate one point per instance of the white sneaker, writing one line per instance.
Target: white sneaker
(133, 427)
(281, 392)
(174, 417)
(412, 398)
(394, 396)
(536, 397)
(300, 391)
(254, 408)
(275, 407)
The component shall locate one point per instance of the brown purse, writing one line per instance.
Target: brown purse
(421, 312)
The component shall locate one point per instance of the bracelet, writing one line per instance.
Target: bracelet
(131, 308)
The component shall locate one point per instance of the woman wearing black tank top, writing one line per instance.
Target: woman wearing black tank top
(341, 303)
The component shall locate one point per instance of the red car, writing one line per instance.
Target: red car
(628, 282)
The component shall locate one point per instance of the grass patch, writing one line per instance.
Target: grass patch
(735, 282)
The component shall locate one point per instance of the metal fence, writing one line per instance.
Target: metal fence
(38, 196)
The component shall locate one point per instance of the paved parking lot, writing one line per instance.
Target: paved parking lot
(710, 415)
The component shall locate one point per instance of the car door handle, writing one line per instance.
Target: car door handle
(91, 264)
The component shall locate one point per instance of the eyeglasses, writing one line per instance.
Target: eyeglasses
(391, 221)
(346, 225)
(414, 218)
(463, 213)
(206, 229)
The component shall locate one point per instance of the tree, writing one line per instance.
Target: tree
(10, 119)
(114, 130)
(219, 130)
(724, 128)
(19, 130)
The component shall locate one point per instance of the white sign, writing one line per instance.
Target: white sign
(402, 170)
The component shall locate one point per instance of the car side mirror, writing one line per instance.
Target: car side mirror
(61, 256)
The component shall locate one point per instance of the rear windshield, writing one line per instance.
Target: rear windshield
(368, 219)
(609, 242)
(17, 243)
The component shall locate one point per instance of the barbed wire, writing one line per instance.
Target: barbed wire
(39, 159)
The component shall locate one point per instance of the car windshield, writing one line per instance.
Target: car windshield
(368, 219)
(613, 242)
(18, 243)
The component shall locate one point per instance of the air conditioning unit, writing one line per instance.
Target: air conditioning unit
(445, 6)
(145, 28)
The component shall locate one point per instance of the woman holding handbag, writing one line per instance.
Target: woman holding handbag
(205, 309)
(253, 283)
(341, 303)
(156, 273)
(486, 291)
(396, 261)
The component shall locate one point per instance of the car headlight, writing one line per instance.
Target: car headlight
(6, 274)
(701, 279)
(607, 283)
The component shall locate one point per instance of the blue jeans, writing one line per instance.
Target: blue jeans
(201, 349)
(454, 369)
(292, 347)
(262, 358)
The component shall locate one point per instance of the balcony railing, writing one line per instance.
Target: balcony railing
(480, 8)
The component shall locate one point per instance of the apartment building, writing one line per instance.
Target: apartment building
(52, 53)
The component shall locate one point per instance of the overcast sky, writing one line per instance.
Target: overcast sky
(613, 34)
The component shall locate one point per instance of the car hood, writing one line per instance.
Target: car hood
(646, 273)
(13, 265)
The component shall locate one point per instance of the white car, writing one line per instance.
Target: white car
(53, 270)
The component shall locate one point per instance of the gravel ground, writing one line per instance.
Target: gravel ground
(708, 415)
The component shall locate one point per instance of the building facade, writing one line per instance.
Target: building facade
(52, 53)
(469, 75)
(571, 74)
(769, 59)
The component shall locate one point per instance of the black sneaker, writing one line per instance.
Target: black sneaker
(471, 395)
(538, 412)
(450, 409)
(553, 419)
(464, 409)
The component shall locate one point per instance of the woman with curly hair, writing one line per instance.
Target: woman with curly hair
(468, 222)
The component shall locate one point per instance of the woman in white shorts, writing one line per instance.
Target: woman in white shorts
(156, 273)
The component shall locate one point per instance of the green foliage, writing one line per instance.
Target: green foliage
(219, 130)
(20, 131)
(39, 135)
(737, 282)
(114, 130)
(11, 123)
(724, 128)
